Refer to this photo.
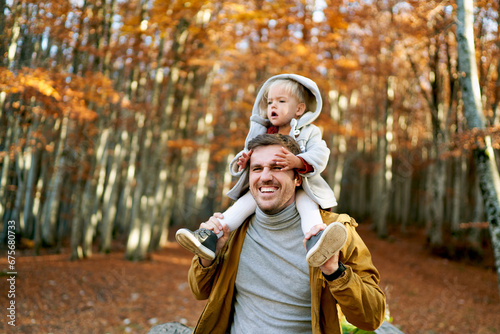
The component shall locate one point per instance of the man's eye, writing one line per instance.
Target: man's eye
(278, 167)
(256, 169)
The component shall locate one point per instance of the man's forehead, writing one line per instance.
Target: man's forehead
(264, 154)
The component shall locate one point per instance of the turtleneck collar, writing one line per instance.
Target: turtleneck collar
(284, 219)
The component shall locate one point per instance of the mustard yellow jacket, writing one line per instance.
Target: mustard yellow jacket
(356, 292)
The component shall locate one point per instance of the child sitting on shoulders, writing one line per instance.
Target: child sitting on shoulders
(286, 104)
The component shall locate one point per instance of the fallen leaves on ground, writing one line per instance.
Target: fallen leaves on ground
(108, 294)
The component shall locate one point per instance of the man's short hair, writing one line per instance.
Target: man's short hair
(275, 139)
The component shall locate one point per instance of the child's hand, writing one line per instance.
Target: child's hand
(243, 160)
(288, 160)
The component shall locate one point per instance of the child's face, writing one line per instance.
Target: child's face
(282, 107)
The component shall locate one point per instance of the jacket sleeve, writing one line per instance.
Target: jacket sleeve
(201, 278)
(315, 152)
(233, 165)
(356, 291)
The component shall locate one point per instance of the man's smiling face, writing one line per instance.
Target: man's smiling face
(272, 188)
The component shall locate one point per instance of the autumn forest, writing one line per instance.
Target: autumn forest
(118, 118)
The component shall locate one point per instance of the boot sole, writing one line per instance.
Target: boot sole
(330, 242)
(187, 240)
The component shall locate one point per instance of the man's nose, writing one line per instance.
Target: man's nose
(266, 174)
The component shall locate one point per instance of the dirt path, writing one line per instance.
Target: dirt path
(107, 294)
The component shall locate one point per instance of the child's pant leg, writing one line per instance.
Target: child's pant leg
(308, 211)
(236, 214)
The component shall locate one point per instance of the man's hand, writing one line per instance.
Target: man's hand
(288, 160)
(332, 264)
(243, 160)
(215, 225)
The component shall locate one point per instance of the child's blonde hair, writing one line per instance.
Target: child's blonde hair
(292, 87)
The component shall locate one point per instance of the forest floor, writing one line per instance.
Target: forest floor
(107, 294)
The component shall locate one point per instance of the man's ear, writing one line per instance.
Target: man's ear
(298, 179)
(301, 108)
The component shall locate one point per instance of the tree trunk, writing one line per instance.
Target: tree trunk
(489, 179)
(436, 188)
(107, 228)
(22, 165)
(338, 145)
(39, 202)
(2, 28)
(474, 234)
(16, 29)
(5, 161)
(110, 197)
(384, 162)
(30, 191)
(51, 205)
(134, 233)
(457, 185)
(77, 223)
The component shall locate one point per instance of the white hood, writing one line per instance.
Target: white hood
(313, 109)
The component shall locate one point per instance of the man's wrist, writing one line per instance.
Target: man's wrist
(336, 274)
(205, 263)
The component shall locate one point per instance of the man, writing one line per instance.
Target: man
(260, 282)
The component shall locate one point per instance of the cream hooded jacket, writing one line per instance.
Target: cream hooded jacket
(313, 148)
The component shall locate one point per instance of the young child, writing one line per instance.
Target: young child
(286, 104)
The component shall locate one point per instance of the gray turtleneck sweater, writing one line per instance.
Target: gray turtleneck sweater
(272, 283)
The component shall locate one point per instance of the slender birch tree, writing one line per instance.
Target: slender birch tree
(489, 178)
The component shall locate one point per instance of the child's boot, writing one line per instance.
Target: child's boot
(325, 243)
(202, 242)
